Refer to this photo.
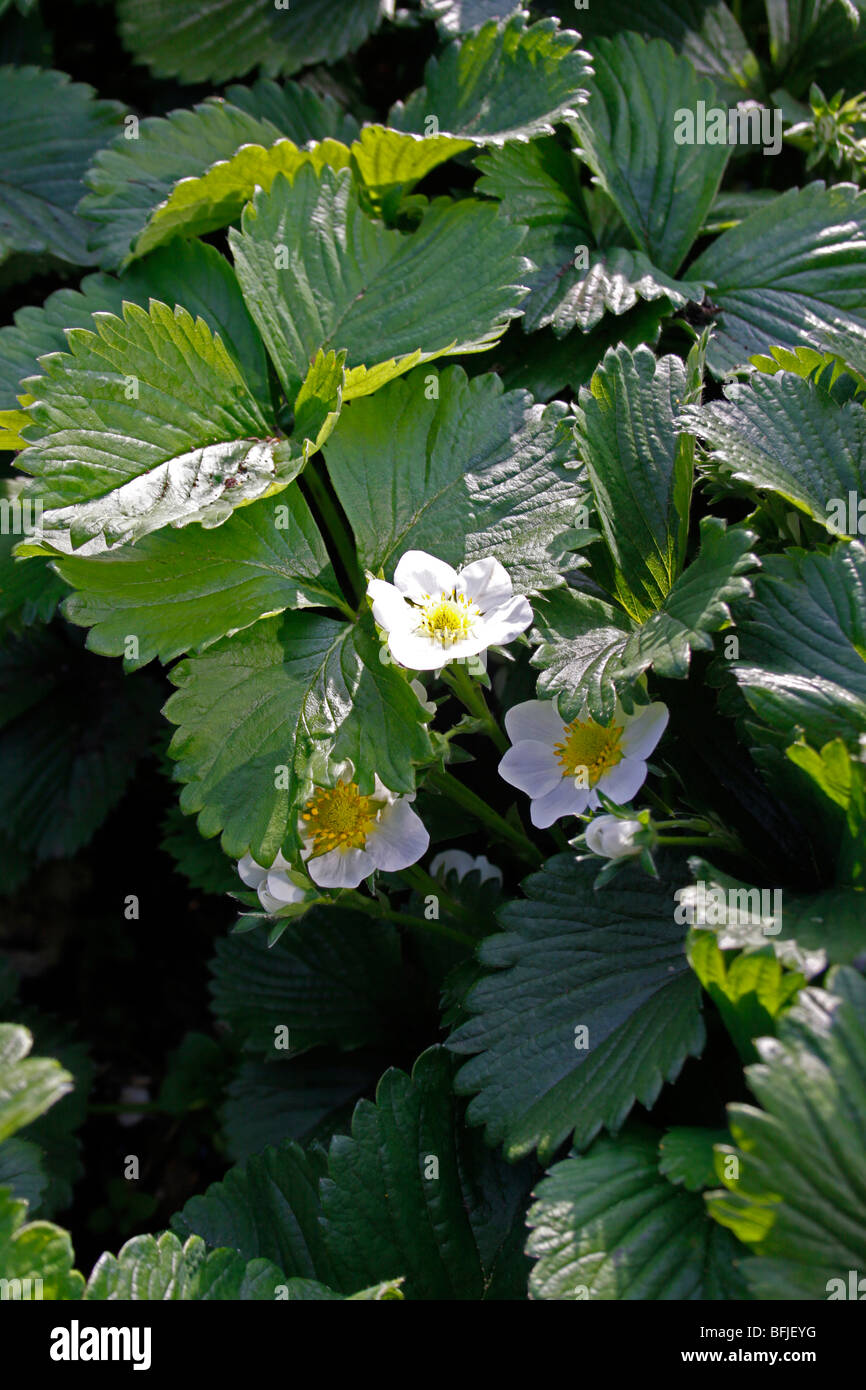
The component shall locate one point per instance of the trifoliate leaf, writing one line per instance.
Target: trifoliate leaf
(504, 82)
(266, 1208)
(187, 273)
(37, 1254)
(177, 38)
(302, 1098)
(787, 274)
(49, 131)
(333, 979)
(28, 1085)
(627, 131)
(22, 1170)
(607, 1225)
(787, 435)
(802, 654)
(151, 1269)
(260, 712)
(146, 422)
(640, 471)
(686, 1156)
(459, 468)
(411, 1189)
(318, 273)
(577, 979)
(795, 1176)
(178, 591)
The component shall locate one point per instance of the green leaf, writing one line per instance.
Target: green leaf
(187, 273)
(301, 1098)
(608, 1226)
(627, 133)
(177, 591)
(131, 178)
(802, 643)
(49, 131)
(266, 1208)
(179, 38)
(35, 1251)
(750, 991)
(201, 862)
(28, 1085)
(194, 1075)
(640, 471)
(391, 300)
(29, 590)
(611, 962)
(788, 274)
(579, 641)
(151, 1269)
(787, 435)
(333, 979)
(145, 423)
(460, 16)
(686, 1156)
(22, 1170)
(504, 82)
(797, 1197)
(807, 33)
(391, 162)
(410, 1189)
(474, 471)
(56, 1131)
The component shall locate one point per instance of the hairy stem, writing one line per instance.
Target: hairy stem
(472, 696)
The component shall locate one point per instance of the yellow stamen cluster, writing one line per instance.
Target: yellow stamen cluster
(339, 818)
(589, 749)
(448, 618)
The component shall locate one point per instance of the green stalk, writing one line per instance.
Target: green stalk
(449, 786)
(337, 533)
(356, 901)
(426, 885)
(472, 696)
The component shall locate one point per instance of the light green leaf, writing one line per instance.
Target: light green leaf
(181, 38)
(181, 591)
(802, 639)
(35, 1251)
(334, 979)
(146, 422)
(151, 1269)
(787, 435)
(287, 693)
(470, 472)
(640, 471)
(504, 82)
(28, 1085)
(686, 1156)
(608, 1226)
(392, 300)
(627, 133)
(391, 162)
(411, 1189)
(50, 128)
(266, 1208)
(797, 1197)
(750, 991)
(611, 962)
(787, 274)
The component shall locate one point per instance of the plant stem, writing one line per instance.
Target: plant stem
(337, 531)
(449, 786)
(356, 901)
(426, 885)
(472, 697)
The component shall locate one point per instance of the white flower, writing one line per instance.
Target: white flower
(463, 864)
(428, 706)
(433, 614)
(563, 767)
(273, 885)
(613, 838)
(346, 835)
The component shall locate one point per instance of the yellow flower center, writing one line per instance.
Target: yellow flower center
(589, 749)
(448, 618)
(339, 818)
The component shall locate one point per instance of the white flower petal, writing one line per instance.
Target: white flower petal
(564, 800)
(399, 838)
(535, 719)
(420, 653)
(486, 583)
(506, 622)
(390, 609)
(448, 859)
(532, 767)
(612, 838)
(251, 873)
(341, 868)
(486, 869)
(623, 781)
(643, 731)
(279, 886)
(418, 574)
